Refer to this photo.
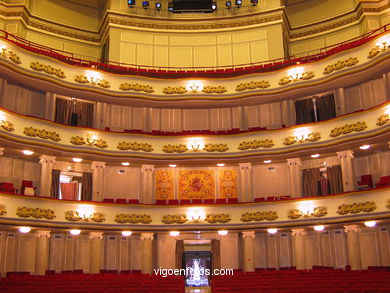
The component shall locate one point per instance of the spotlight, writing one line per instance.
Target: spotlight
(130, 3)
(24, 229)
(228, 4)
(254, 2)
(170, 6)
(214, 6)
(145, 4)
(238, 3)
(158, 5)
(126, 233)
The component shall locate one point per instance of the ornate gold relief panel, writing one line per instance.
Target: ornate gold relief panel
(227, 183)
(165, 184)
(196, 184)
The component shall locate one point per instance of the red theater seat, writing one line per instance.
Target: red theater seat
(383, 181)
(121, 200)
(7, 187)
(366, 181)
(259, 199)
(108, 200)
(133, 201)
(26, 183)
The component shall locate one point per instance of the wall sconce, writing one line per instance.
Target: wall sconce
(196, 215)
(195, 144)
(306, 210)
(194, 86)
(91, 139)
(383, 45)
(296, 73)
(93, 77)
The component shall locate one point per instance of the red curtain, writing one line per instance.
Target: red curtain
(69, 191)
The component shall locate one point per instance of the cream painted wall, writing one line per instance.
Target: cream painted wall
(271, 180)
(377, 164)
(125, 185)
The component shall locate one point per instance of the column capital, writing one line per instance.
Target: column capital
(147, 168)
(43, 234)
(297, 232)
(351, 228)
(248, 234)
(95, 235)
(245, 166)
(1, 151)
(46, 159)
(147, 236)
(348, 154)
(98, 165)
(294, 162)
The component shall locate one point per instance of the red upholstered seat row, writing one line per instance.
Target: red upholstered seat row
(196, 201)
(121, 200)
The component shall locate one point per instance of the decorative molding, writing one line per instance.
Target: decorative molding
(351, 228)
(48, 69)
(84, 79)
(218, 218)
(170, 149)
(174, 90)
(304, 76)
(36, 213)
(348, 128)
(259, 216)
(133, 219)
(43, 234)
(147, 236)
(377, 49)
(298, 232)
(95, 235)
(383, 119)
(11, 56)
(73, 216)
(174, 219)
(135, 146)
(78, 140)
(3, 210)
(7, 125)
(219, 89)
(252, 85)
(100, 143)
(318, 212)
(311, 137)
(215, 147)
(136, 87)
(256, 144)
(42, 133)
(355, 208)
(351, 61)
(249, 234)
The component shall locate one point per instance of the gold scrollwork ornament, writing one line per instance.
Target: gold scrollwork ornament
(133, 219)
(7, 125)
(174, 219)
(218, 218)
(3, 210)
(259, 216)
(36, 213)
(135, 146)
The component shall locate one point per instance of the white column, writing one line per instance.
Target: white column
(96, 252)
(295, 175)
(46, 169)
(299, 248)
(42, 252)
(339, 99)
(97, 180)
(147, 252)
(353, 246)
(348, 170)
(249, 251)
(147, 184)
(246, 182)
(386, 82)
(243, 116)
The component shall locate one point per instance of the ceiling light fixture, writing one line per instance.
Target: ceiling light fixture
(126, 233)
(272, 230)
(221, 165)
(172, 165)
(75, 232)
(315, 156)
(267, 161)
(370, 224)
(319, 228)
(77, 160)
(222, 232)
(27, 152)
(174, 233)
(365, 147)
(24, 229)
(125, 164)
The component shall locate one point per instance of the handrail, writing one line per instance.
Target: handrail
(194, 71)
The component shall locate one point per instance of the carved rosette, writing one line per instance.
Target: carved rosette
(136, 87)
(174, 219)
(209, 89)
(214, 147)
(256, 144)
(252, 85)
(3, 210)
(351, 61)
(355, 208)
(135, 146)
(383, 119)
(36, 213)
(348, 128)
(48, 69)
(7, 125)
(133, 219)
(218, 218)
(170, 149)
(174, 90)
(42, 133)
(259, 216)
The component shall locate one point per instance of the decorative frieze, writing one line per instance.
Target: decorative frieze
(304, 76)
(215, 147)
(218, 218)
(256, 144)
(252, 85)
(133, 219)
(3, 210)
(259, 216)
(42, 133)
(48, 69)
(209, 89)
(73, 216)
(170, 149)
(351, 61)
(381, 47)
(36, 213)
(174, 90)
(311, 137)
(348, 128)
(136, 87)
(383, 119)
(317, 212)
(78, 140)
(355, 208)
(94, 81)
(7, 125)
(174, 219)
(10, 55)
(135, 146)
